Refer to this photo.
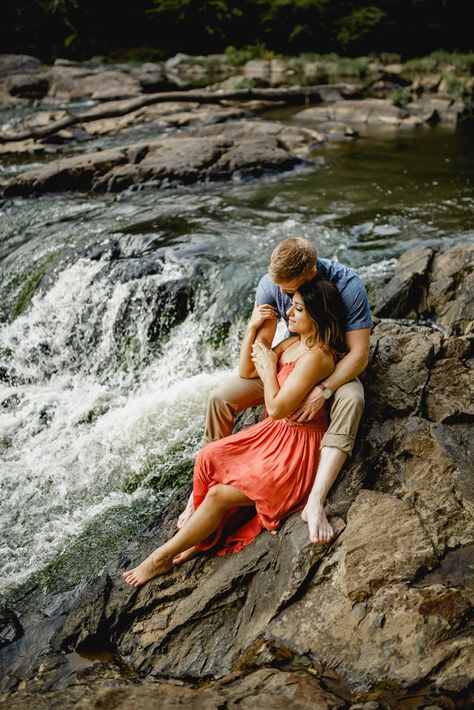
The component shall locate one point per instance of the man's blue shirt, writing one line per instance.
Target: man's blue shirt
(350, 287)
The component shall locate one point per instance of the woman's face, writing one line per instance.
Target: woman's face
(298, 318)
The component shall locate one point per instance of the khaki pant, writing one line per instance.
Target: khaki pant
(238, 393)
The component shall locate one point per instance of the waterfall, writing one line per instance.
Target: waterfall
(105, 387)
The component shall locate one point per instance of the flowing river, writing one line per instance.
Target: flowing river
(118, 313)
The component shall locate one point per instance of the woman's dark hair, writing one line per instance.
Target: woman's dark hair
(326, 309)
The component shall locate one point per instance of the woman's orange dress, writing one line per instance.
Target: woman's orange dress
(273, 463)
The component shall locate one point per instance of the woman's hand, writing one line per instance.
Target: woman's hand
(261, 314)
(263, 358)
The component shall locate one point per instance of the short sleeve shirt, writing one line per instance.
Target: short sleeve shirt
(350, 287)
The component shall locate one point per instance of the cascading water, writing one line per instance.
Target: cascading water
(104, 376)
(120, 313)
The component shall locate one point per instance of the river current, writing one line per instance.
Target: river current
(118, 313)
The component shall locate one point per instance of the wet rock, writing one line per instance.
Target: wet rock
(10, 628)
(268, 687)
(391, 549)
(28, 86)
(77, 173)
(102, 83)
(336, 130)
(400, 368)
(184, 69)
(19, 64)
(173, 302)
(368, 111)
(162, 116)
(448, 395)
(242, 148)
(404, 294)
(238, 597)
(432, 285)
(266, 72)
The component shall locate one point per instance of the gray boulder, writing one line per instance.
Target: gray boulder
(212, 152)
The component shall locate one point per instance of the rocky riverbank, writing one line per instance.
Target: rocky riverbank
(378, 618)
(108, 127)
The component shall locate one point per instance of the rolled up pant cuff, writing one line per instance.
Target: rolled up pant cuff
(343, 442)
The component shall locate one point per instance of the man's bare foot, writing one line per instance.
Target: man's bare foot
(151, 567)
(320, 530)
(185, 556)
(187, 512)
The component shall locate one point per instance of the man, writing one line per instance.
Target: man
(293, 262)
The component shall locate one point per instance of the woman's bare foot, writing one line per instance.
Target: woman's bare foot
(185, 556)
(320, 531)
(187, 512)
(151, 567)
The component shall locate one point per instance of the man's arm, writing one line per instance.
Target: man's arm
(348, 368)
(354, 361)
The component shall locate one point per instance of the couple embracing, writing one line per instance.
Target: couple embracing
(256, 478)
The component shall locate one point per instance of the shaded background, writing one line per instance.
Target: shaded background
(154, 29)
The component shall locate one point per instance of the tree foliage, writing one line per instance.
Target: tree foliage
(81, 28)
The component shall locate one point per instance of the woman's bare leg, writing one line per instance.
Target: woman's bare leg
(187, 512)
(219, 499)
(186, 555)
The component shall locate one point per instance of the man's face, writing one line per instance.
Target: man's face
(290, 287)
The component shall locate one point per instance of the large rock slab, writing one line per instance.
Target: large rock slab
(238, 596)
(428, 284)
(375, 112)
(242, 147)
(391, 548)
(102, 83)
(269, 687)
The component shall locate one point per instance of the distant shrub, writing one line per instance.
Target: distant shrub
(239, 57)
(461, 63)
(452, 84)
(423, 65)
(399, 97)
(387, 57)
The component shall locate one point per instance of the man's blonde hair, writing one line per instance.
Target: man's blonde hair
(292, 259)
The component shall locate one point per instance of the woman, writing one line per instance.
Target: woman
(269, 467)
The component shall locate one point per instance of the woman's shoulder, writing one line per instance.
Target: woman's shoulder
(317, 357)
(284, 344)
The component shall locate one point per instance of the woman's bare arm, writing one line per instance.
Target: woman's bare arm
(261, 323)
(309, 369)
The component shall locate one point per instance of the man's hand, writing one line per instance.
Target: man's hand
(260, 314)
(309, 407)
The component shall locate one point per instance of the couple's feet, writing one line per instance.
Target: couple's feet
(320, 531)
